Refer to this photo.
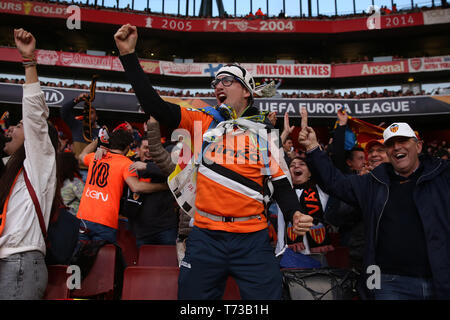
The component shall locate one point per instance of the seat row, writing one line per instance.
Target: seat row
(155, 277)
(151, 272)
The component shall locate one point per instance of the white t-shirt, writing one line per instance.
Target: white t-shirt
(22, 231)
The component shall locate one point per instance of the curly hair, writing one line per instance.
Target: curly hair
(120, 139)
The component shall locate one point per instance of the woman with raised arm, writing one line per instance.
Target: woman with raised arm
(32, 145)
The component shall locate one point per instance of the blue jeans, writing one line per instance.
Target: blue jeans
(23, 276)
(166, 237)
(212, 256)
(395, 287)
(97, 231)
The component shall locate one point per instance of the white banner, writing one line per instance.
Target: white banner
(258, 70)
(429, 64)
(436, 16)
(183, 69)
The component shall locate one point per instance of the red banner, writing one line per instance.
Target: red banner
(77, 60)
(258, 70)
(80, 60)
(33, 9)
(213, 24)
(369, 69)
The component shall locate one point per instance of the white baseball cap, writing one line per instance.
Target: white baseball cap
(239, 72)
(398, 129)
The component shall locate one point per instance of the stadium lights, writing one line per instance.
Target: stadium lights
(410, 79)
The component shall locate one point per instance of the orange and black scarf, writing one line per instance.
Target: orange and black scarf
(87, 110)
(311, 205)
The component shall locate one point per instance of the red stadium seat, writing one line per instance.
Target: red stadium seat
(57, 283)
(231, 290)
(127, 242)
(150, 283)
(158, 256)
(100, 280)
(338, 258)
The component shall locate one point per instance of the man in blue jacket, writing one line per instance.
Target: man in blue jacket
(406, 209)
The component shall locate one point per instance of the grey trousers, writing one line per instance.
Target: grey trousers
(23, 276)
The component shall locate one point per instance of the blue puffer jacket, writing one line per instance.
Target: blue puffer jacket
(371, 192)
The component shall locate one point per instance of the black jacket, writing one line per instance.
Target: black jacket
(157, 211)
(371, 191)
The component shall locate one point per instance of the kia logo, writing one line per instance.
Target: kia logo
(53, 96)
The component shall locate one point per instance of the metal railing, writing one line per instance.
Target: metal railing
(271, 8)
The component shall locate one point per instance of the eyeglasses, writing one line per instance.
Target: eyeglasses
(226, 81)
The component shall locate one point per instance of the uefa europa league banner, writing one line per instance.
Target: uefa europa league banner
(359, 108)
(317, 108)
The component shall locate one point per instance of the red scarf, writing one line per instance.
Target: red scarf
(318, 238)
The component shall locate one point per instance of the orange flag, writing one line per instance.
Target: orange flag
(364, 131)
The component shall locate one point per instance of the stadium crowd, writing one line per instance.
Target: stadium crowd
(187, 94)
(298, 59)
(353, 95)
(87, 176)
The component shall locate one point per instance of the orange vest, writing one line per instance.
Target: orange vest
(229, 180)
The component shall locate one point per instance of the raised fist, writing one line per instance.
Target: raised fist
(25, 43)
(126, 38)
(302, 223)
(342, 117)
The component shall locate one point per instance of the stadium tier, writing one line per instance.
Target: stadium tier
(359, 52)
(338, 24)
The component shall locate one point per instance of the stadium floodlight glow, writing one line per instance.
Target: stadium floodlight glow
(410, 79)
